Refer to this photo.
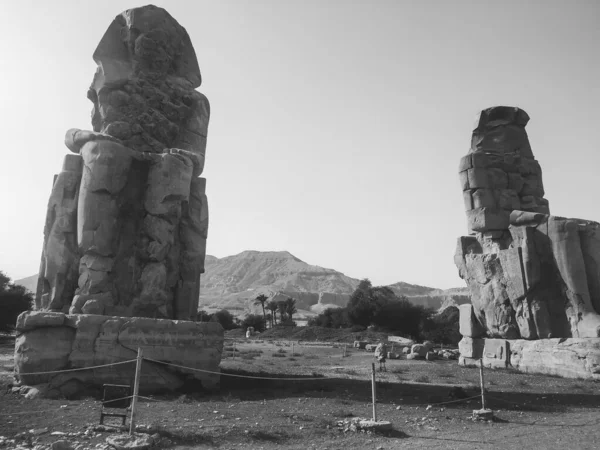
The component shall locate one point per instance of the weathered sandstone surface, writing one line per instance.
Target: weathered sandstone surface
(571, 358)
(127, 223)
(531, 275)
(534, 278)
(53, 341)
(127, 219)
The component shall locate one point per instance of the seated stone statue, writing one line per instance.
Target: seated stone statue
(127, 220)
(531, 275)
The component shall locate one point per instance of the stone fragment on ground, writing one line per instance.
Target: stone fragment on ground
(362, 425)
(137, 441)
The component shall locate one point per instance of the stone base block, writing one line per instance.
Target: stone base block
(496, 353)
(471, 348)
(371, 425)
(468, 362)
(483, 414)
(52, 341)
(569, 358)
(468, 324)
(401, 341)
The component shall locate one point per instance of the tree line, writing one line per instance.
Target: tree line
(285, 309)
(14, 299)
(379, 307)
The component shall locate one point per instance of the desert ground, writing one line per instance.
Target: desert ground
(423, 401)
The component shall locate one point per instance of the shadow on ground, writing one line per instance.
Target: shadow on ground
(388, 393)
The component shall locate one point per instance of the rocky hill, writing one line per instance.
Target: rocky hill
(233, 282)
(30, 283)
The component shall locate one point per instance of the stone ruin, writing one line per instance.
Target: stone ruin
(534, 278)
(127, 220)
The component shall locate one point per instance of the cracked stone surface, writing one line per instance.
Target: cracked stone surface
(91, 340)
(127, 223)
(566, 357)
(531, 275)
(127, 220)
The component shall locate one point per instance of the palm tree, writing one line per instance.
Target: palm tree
(272, 306)
(282, 307)
(290, 307)
(261, 300)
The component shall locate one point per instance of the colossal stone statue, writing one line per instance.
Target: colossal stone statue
(127, 220)
(126, 226)
(531, 275)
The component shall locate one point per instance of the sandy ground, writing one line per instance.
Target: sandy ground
(531, 411)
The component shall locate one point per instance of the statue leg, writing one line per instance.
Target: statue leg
(193, 231)
(569, 257)
(58, 269)
(169, 180)
(106, 168)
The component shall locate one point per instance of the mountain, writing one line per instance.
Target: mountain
(30, 283)
(410, 290)
(234, 282)
(428, 297)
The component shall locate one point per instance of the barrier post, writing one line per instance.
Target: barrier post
(374, 392)
(483, 413)
(482, 384)
(136, 389)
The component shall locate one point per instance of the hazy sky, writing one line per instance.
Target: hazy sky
(336, 127)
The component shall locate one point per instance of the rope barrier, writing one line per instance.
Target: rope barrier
(148, 398)
(76, 369)
(116, 399)
(27, 412)
(448, 402)
(237, 376)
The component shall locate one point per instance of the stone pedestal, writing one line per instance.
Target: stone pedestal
(52, 341)
(570, 358)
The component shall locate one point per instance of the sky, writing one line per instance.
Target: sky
(336, 127)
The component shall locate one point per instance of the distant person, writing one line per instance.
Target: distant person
(381, 355)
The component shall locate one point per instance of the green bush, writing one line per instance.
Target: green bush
(14, 299)
(442, 328)
(377, 307)
(225, 318)
(331, 318)
(254, 320)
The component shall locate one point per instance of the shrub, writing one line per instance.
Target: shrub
(225, 318)
(14, 299)
(254, 320)
(331, 318)
(442, 328)
(203, 316)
